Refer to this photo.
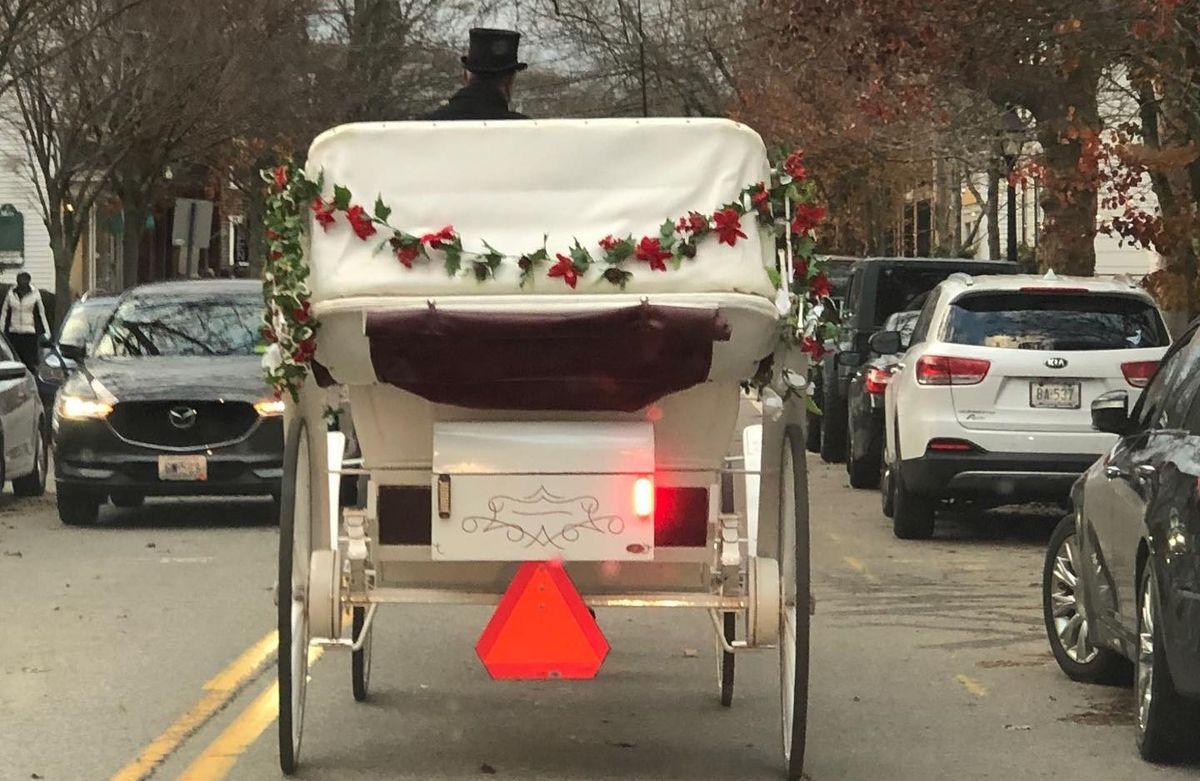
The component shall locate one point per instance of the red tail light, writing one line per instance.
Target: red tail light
(946, 445)
(643, 497)
(876, 380)
(943, 370)
(1138, 373)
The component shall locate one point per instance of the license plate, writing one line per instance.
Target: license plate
(1054, 395)
(183, 468)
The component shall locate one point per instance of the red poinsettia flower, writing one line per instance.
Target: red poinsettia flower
(406, 255)
(608, 243)
(800, 269)
(272, 235)
(324, 212)
(794, 165)
(760, 197)
(813, 347)
(728, 226)
(268, 334)
(807, 217)
(435, 240)
(820, 286)
(649, 250)
(281, 177)
(302, 313)
(694, 222)
(565, 268)
(361, 222)
(276, 254)
(305, 351)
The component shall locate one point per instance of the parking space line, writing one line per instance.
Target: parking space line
(971, 685)
(218, 691)
(215, 762)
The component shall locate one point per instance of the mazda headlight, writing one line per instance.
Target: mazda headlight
(80, 408)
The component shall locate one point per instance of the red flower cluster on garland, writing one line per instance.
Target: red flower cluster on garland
(729, 226)
(694, 223)
(650, 251)
(760, 199)
(281, 177)
(820, 286)
(302, 313)
(813, 347)
(794, 165)
(435, 240)
(565, 268)
(361, 222)
(324, 211)
(305, 351)
(608, 243)
(806, 218)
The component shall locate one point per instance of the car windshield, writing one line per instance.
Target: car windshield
(1055, 321)
(899, 288)
(84, 321)
(183, 326)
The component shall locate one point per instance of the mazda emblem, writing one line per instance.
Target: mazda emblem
(182, 417)
(1056, 363)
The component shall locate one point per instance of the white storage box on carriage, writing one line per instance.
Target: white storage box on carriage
(543, 491)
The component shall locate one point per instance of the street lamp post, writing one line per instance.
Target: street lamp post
(1011, 143)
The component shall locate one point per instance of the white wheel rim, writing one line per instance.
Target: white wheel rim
(1145, 659)
(301, 553)
(787, 601)
(1070, 624)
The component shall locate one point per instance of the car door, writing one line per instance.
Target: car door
(1118, 497)
(18, 416)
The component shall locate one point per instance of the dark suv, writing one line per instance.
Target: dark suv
(878, 288)
(171, 401)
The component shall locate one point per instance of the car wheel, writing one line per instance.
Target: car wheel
(887, 495)
(128, 500)
(833, 425)
(1065, 616)
(34, 483)
(1166, 722)
(864, 472)
(912, 517)
(76, 506)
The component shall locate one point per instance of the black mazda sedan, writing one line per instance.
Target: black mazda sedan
(171, 401)
(1121, 582)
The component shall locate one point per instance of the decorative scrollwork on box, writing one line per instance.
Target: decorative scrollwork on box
(582, 516)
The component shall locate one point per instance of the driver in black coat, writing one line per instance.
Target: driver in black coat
(491, 66)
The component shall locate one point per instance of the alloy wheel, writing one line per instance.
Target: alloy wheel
(1070, 623)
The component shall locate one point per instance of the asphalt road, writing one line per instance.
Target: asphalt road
(929, 663)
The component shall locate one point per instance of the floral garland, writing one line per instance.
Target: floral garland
(290, 327)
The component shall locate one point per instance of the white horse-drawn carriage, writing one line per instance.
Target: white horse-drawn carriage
(526, 387)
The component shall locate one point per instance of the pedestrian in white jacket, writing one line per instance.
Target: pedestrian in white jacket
(24, 318)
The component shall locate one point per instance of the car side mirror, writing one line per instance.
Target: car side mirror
(12, 370)
(886, 342)
(76, 352)
(1110, 413)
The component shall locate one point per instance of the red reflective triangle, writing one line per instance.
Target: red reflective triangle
(541, 629)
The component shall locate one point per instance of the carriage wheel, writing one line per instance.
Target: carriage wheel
(360, 660)
(794, 602)
(295, 547)
(725, 660)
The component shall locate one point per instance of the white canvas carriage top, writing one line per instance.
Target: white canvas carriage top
(510, 183)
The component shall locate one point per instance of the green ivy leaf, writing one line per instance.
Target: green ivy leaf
(667, 231)
(622, 251)
(341, 197)
(382, 210)
(776, 278)
(616, 276)
(453, 259)
(581, 257)
(805, 246)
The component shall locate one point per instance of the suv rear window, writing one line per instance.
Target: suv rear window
(898, 289)
(1052, 321)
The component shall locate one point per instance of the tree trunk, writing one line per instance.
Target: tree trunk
(993, 211)
(134, 213)
(64, 258)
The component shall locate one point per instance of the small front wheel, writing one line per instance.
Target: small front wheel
(360, 660)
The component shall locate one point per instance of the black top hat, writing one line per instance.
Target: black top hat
(493, 51)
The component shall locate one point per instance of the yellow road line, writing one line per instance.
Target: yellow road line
(971, 685)
(860, 568)
(217, 693)
(223, 753)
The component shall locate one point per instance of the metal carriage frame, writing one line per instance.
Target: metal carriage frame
(331, 566)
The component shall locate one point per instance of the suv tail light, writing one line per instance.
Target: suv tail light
(876, 380)
(944, 370)
(949, 445)
(1138, 373)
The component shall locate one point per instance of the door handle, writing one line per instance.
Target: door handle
(1144, 471)
(1113, 473)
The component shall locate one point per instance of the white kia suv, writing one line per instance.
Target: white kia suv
(991, 402)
